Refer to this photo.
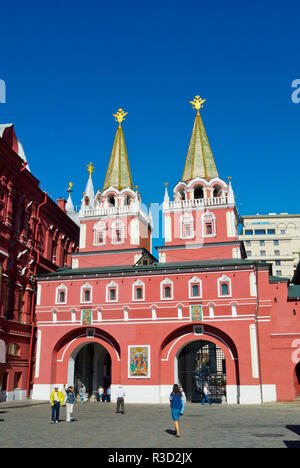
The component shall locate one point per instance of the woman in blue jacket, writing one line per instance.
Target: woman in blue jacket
(176, 407)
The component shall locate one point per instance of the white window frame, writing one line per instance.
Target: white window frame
(187, 218)
(117, 225)
(208, 217)
(110, 286)
(138, 284)
(224, 279)
(60, 288)
(99, 227)
(166, 282)
(195, 281)
(83, 288)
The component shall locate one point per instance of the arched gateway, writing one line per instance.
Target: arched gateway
(90, 364)
(201, 362)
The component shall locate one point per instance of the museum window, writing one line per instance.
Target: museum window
(61, 294)
(111, 292)
(195, 287)
(86, 293)
(14, 350)
(224, 286)
(138, 291)
(117, 232)
(187, 226)
(99, 233)
(166, 289)
(208, 225)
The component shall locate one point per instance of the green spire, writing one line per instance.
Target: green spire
(118, 173)
(199, 161)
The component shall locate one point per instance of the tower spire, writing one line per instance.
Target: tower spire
(118, 173)
(199, 161)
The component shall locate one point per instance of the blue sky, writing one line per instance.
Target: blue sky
(69, 65)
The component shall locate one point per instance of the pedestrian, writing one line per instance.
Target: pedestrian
(206, 392)
(108, 394)
(56, 400)
(176, 407)
(183, 400)
(64, 392)
(120, 400)
(71, 400)
(82, 392)
(99, 393)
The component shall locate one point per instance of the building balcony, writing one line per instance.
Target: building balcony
(195, 203)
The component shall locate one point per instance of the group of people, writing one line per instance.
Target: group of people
(64, 397)
(67, 397)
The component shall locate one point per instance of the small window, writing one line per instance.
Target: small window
(248, 232)
(262, 242)
(248, 243)
(167, 292)
(195, 290)
(276, 242)
(259, 232)
(278, 273)
(262, 253)
(13, 349)
(277, 262)
(249, 253)
(87, 295)
(139, 293)
(112, 294)
(277, 252)
(209, 228)
(271, 231)
(224, 289)
(61, 296)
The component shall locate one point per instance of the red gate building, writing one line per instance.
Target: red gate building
(201, 312)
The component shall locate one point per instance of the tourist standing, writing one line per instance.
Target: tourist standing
(206, 392)
(56, 400)
(64, 392)
(70, 401)
(176, 407)
(183, 400)
(108, 394)
(120, 400)
(82, 392)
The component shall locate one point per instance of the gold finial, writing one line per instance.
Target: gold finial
(69, 189)
(90, 168)
(229, 178)
(120, 116)
(197, 103)
(166, 184)
(136, 187)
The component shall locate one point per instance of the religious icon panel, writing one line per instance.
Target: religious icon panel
(139, 361)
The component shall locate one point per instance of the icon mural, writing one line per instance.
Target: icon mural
(139, 361)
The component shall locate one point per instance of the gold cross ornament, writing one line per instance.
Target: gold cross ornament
(197, 103)
(90, 169)
(120, 116)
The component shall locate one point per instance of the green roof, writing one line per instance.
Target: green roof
(235, 262)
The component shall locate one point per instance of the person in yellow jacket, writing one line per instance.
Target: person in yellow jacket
(56, 400)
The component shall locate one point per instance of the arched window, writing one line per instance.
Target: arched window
(217, 191)
(198, 192)
(111, 201)
(100, 233)
(138, 291)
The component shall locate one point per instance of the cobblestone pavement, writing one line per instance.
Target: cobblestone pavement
(96, 425)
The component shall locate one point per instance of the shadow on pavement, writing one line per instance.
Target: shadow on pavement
(293, 443)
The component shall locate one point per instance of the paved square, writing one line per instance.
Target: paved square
(97, 425)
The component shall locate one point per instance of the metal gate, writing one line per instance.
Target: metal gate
(202, 362)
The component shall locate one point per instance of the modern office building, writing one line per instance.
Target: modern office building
(273, 238)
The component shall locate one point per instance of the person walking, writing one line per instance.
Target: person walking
(183, 400)
(176, 407)
(70, 401)
(108, 394)
(56, 400)
(206, 392)
(120, 400)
